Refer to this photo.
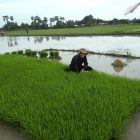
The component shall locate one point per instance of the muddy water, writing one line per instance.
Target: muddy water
(9, 133)
(132, 131)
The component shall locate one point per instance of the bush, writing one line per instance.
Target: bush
(51, 54)
(28, 52)
(56, 54)
(7, 53)
(20, 52)
(43, 54)
(14, 52)
(34, 53)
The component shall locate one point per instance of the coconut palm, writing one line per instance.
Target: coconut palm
(51, 21)
(6, 19)
(62, 18)
(32, 18)
(11, 18)
(132, 9)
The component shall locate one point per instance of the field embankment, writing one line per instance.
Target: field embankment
(94, 30)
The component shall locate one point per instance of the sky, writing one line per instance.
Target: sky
(22, 10)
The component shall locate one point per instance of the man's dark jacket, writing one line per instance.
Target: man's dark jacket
(78, 63)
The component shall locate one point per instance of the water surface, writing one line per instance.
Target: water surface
(103, 44)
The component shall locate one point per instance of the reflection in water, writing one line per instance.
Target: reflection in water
(38, 39)
(118, 69)
(58, 38)
(12, 42)
(132, 131)
(47, 38)
(118, 65)
(28, 38)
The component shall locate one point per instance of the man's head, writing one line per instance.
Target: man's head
(83, 52)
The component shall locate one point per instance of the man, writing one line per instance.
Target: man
(79, 62)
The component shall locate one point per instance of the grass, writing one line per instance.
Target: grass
(94, 30)
(50, 104)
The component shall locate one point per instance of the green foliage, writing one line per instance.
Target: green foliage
(49, 103)
(54, 55)
(28, 52)
(51, 54)
(14, 52)
(7, 53)
(34, 53)
(20, 52)
(43, 54)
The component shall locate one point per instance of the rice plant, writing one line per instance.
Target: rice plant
(39, 97)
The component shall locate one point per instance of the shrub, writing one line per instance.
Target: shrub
(20, 52)
(43, 54)
(34, 53)
(7, 53)
(51, 54)
(28, 52)
(14, 52)
(56, 54)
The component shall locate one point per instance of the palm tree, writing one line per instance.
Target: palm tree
(62, 18)
(51, 21)
(44, 22)
(6, 19)
(32, 18)
(11, 18)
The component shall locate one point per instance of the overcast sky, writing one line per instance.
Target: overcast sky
(22, 10)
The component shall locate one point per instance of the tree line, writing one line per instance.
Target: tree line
(60, 22)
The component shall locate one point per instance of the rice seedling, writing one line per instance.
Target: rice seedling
(54, 55)
(14, 52)
(43, 54)
(20, 52)
(34, 53)
(39, 97)
(28, 52)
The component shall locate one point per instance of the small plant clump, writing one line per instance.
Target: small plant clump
(7, 53)
(34, 53)
(28, 52)
(43, 54)
(20, 52)
(14, 52)
(54, 55)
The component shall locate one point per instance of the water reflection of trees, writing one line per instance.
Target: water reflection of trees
(39, 39)
(12, 41)
(58, 38)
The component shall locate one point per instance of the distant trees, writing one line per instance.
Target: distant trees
(60, 22)
(9, 24)
(88, 20)
(38, 23)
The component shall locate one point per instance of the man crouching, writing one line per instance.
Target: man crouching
(79, 62)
